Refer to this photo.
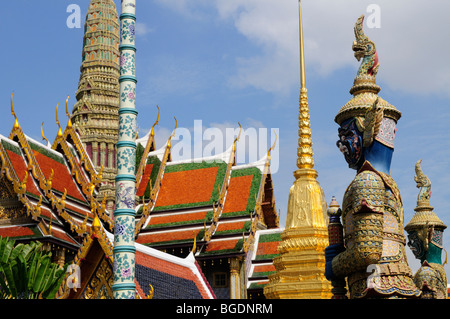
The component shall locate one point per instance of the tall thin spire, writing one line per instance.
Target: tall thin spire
(301, 264)
(302, 53)
(95, 114)
(304, 152)
(124, 249)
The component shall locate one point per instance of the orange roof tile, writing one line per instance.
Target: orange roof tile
(144, 180)
(268, 248)
(16, 231)
(221, 245)
(263, 268)
(237, 194)
(20, 168)
(63, 236)
(152, 238)
(62, 179)
(176, 218)
(222, 227)
(185, 187)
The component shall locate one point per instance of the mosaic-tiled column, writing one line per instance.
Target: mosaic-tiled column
(124, 213)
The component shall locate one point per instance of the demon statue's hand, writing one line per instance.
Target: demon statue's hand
(331, 252)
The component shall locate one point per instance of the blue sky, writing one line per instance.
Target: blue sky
(229, 61)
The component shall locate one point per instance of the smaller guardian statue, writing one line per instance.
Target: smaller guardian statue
(425, 233)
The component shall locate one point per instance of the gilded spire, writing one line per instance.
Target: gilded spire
(304, 151)
(300, 266)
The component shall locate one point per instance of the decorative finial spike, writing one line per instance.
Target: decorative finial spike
(237, 138)
(43, 136)
(194, 247)
(305, 158)
(156, 123)
(302, 55)
(273, 146)
(69, 124)
(169, 143)
(57, 121)
(16, 122)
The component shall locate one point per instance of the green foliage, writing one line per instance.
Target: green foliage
(26, 271)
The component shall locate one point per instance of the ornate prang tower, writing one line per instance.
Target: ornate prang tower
(301, 264)
(95, 114)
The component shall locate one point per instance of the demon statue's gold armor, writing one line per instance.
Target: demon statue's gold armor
(372, 256)
(425, 234)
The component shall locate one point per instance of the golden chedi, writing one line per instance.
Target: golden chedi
(301, 264)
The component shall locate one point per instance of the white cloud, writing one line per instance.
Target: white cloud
(410, 34)
(142, 29)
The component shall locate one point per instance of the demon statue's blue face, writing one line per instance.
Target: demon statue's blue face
(350, 143)
(416, 244)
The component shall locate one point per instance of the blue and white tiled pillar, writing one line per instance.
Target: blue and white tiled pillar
(124, 250)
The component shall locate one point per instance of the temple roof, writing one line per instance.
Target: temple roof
(209, 200)
(158, 274)
(264, 251)
(48, 192)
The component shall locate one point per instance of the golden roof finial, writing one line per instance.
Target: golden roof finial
(43, 136)
(169, 143)
(150, 292)
(50, 225)
(62, 202)
(304, 151)
(237, 138)
(273, 146)
(57, 121)
(69, 124)
(23, 185)
(156, 123)
(194, 247)
(96, 225)
(16, 122)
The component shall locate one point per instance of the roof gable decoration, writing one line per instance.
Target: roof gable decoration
(82, 168)
(76, 156)
(246, 199)
(35, 185)
(80, 152)
(217, 212)
(19, 187)
(260, 258)
(148, 205)
(18, 136)
(72, 281)
(161, 262)
(149, 146)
